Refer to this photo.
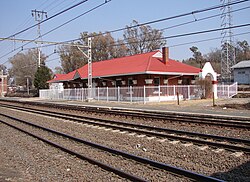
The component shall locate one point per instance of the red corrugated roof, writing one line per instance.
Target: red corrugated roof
(145, 63)
(63, 77)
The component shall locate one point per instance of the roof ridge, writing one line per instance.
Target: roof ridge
(127, 56)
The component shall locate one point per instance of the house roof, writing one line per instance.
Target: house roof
(63, 77)
(146, 63)
(242, 64)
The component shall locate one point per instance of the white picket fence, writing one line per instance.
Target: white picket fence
(227, 91)
(135, 94)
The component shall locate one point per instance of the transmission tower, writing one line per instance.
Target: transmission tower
(39, 16)
(227, 44)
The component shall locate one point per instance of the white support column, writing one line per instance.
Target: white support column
(118, 94)
(215, 90)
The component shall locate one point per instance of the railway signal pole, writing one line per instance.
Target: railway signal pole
(39, 16)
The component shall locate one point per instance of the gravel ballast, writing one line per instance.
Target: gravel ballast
(223, 164)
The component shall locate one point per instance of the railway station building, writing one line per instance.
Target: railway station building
(150, 69)
(151, 76)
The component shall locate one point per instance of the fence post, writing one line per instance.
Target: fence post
(98, 91)
(107, 94)
(144, 94)
(82, 93)
(178, 99)
(159, 93)
(213, 100)
(130, 92)
(236, 88)
(228, 94)
(188, 92)
(174, 91)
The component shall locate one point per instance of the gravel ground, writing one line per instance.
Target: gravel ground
(145, 171)
(205, 129)
(24, 158)
(223, 164)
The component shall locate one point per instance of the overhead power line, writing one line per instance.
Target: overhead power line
(170, 27)
(49, 18)
(182, 35)
(165, 19)
(146, 23)
(189, 34)
(21, 47)
(205, 40)
(40, 41)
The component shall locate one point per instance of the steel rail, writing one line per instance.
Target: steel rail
(150, 133)
(80, 156)
(173, 117)
(160, 165)
(216, 137)
(181, 117)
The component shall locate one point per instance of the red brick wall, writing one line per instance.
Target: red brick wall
(172, 80)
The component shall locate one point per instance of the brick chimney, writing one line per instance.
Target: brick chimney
(165, 54)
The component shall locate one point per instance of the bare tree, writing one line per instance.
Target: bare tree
(24, 65)
(71, 58)
(214, 57)
(104, 46)
(141, 39)
(58, 70)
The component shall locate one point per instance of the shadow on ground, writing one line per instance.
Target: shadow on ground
(238, 174)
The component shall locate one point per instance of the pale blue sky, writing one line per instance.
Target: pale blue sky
(16, 15)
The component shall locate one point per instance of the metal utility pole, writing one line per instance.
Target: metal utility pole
(89, 70)
(39, 16)
(227, 44)
(89, 56)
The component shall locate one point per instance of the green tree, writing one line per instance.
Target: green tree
(42, 75)
(197, 56)
(242, 51)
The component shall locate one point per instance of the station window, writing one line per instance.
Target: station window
(156, 81)
(130, 82)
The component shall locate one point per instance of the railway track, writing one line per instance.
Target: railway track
(214, 141)
(220, 121)
(58, 139)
